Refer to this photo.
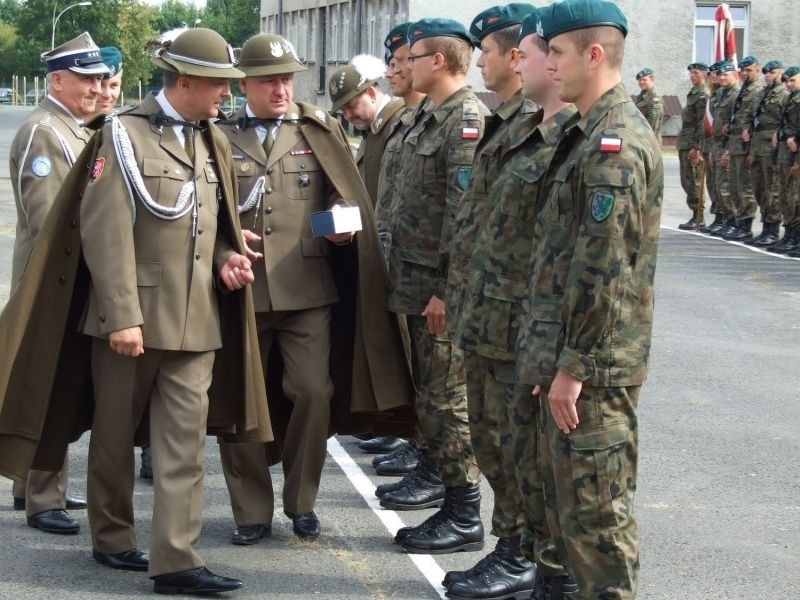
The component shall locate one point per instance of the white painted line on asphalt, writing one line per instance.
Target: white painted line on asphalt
(735, 243)
(390, 519)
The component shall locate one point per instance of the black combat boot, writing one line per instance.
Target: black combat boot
(719, 229)
(743, 231)
(768, 235)
(731, 224)
(691, 225)
(785, 241)
(554, 588)
(424, 490)
(410, 444)
(462, 528)
(716, 223)
(381, 444)
(403, 460)
(510, 575)
(793, 243)
(146, 470)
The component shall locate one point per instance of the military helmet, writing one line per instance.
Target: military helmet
(199, 52)
(268, 54)
(349, 81)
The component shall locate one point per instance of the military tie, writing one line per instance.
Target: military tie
(188, 141)
(269, 140)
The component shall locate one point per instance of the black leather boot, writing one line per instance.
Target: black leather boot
(728, 227)
(554, 588)
(509, 575)
(718, 222)
(381, 445)
(146, 470)
(691, 225)
(743, 231)
(793, 243)
(768, 235)
(425, 490)
(409, 445)
(403, 460)
(462, 528)
(787, 233)
(787, 242)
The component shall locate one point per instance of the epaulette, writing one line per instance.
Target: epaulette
(314, 114)
(470, 110)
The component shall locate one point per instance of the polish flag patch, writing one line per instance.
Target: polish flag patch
(469, 133)
(610, 144)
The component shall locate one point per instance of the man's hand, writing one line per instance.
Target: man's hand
(340, 238)
(749, 160)
(128, 341)
(746, 135)
(250, 236)
(775, 140)
(694, 157)
(794, 170)
(792, 143)
(563, 395)
(434, 312)
(726, 159)
(236, 272)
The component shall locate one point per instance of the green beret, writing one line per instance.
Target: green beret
(531, 24)
(748, 61)
(725, 66)
(499, 17)
(112, 58)
(570, 15)
(790, 72)
(644, 73)
(699, 66)
(397, 38)
(771, 66)
(426, 28)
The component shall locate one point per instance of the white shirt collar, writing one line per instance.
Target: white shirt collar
(170, 111)
(68, 111)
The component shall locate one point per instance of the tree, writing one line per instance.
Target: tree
(235, 20)
(173, 14)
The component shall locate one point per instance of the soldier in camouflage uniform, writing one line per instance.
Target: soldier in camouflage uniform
(585, 336)
(761, 125)
(787, 139)
(435, 168)
(489, 364)
(708, 145)
(723, 107)
(690, 141)
(649, 101)
(741, 186)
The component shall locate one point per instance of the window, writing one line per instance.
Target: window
(704, 31)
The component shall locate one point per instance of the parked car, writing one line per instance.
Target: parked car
(30, 97)
(6, 94)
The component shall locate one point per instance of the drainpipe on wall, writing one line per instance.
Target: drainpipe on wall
(359, 25)
(280, 17)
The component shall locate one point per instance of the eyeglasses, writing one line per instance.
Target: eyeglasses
(411, 58)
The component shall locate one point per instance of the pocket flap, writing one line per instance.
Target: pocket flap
(611, 435)
(546, 309)
(148, 274)
(420, 256)
(158, 167)
(503, 288)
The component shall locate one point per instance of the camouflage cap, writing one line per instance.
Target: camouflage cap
(198, 52)
(748, 61)
(771, 65)
(644, 73)
(79, 55)
(349, 81)
(269, 54)
(499, 17)
(426, 28)
(725, 66)
(112, 58)
(397, 38)
(790, 72)
(570, 15)
(698, 66)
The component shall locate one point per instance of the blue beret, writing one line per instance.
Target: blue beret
(499, 17)
(112, 58)
(644, 72)
(426, 28)
(531, 24)
(725, 66)
(699, 66)
(570, 15)
(790, 72)
(748, 61)
(396, 38)
(772, 65)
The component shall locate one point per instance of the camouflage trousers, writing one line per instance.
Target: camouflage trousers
(589, 488)
(765, 188)
(441, 403)
(491, 391)
(724, 202)
(741, 187)
(788, 190)
(690, 179)
(711, 184)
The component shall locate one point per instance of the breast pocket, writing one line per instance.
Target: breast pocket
(211, 180)
(303, 176)
(520, 195)
(425, 169)
(163, 179)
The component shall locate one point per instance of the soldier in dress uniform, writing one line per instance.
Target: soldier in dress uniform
(42, 153)
(585, 337)
(649, 100)
(690, 142)
(762, 124)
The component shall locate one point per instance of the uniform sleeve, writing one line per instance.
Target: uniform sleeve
(44, 167)
(699, 136)
(656, 113)
(108, 243)
(612, 196)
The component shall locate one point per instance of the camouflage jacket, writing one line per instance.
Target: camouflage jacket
(693, 133)
(589, 307)
(790, 121)
(435, 168)
(743, 107)
(723, 107)
(488, 321)
(475, 205)
(649, 103)
(765, 118)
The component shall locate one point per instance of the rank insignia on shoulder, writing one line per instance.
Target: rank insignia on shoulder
(469, 133)
(601, 205)
(463, 176)
(610, 144)
(41, 166)
(97, 168)
(320, 114)
(301, 152)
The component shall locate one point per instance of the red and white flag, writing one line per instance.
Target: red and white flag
(724, 48)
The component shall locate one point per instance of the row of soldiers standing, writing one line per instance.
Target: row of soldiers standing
(748, 155)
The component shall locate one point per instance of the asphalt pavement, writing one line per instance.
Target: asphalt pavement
(717, 501)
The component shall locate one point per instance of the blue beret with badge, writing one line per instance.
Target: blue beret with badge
(499, 17)
(699, 66)
(748, 61)
(771, 65)
(112, 58)
(644, 73)
(396, 38)
(571, 15)
(790, 72)
(725, 66)
(426, 28)
(531, 24)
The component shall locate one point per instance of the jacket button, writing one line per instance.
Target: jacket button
(73, 223)
(268, 191)
(199, 204)
(269, 171)
(200, 231)
(267, 230)
(197, 257)
(268, 210)
(68, 251)
(102, 319)
(62, 279)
